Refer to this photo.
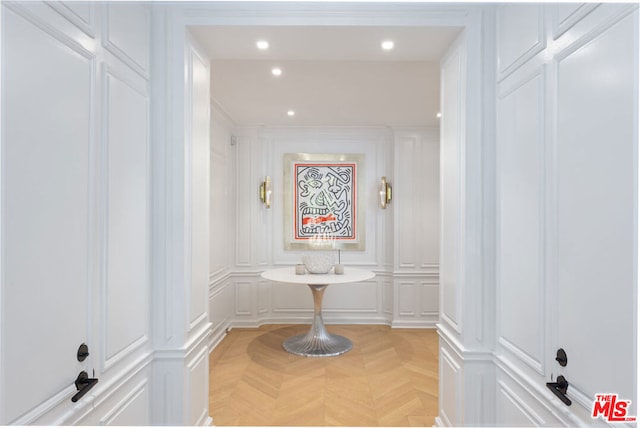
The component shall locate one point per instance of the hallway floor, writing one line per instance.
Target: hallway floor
(389, 378)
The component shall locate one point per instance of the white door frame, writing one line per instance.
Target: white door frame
(170, 22)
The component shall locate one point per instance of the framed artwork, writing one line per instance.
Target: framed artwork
(323, 200)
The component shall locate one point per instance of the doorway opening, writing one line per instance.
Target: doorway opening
(280, 122)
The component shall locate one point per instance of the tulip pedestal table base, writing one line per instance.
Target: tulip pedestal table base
(317, 342)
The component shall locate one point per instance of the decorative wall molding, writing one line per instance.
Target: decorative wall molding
(339, 14)
(198, 386)
(129, 400)
(259, 302)
(522, 355)
(450, 380)
(562, 24)
(136, 60)
(122, 154)
(535, 41)
(518, 404)
(536, 393)
(38, 20)
(70, 11)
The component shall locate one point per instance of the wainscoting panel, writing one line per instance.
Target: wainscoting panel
(429, 298)
(520, 229)
(198, 143)
(222, 195)
(132, 409)
(360, 297)
(126, 281)
(243, 221)
(513, 410)
(221, 309)
(416, 201)
(198, 370)
(407, 299)
(522, 403)
(450, 384)
(452, 186)
(291, 298)
(244, 298)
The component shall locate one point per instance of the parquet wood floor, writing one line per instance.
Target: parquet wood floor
(389, 378)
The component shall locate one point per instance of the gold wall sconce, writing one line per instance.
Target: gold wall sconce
(385, 191)
(265, 191)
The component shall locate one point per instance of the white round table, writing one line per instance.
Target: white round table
(317, 342)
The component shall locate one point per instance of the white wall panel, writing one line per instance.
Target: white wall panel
(416, 202)
(520, 222)
(244, 298)
(429, 295)
(127, 30)
(263, 297)
(520, 34)
(387, 297)
(221, 307)
(407, 299)
(245, 191)
(199, 146)
(356, 297)
(452, 184)
(291, 298)
(450, 381)
(406, 197)
(133, 409)
(127, 221)
(199, 389)
(222, 199)
(512, 410)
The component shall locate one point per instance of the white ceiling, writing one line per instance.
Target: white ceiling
(330, 75)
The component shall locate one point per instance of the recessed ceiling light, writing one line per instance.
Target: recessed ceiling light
(387, 45)
(438, 115)
(291, 113)
(276, 71)
(262, 45)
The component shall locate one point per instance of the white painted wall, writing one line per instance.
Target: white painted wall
(75, 212)
(403, 294)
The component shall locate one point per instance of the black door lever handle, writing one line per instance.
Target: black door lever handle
(559, 388)
(83, 384)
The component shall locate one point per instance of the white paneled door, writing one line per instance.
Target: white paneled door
(74, 213)
(595, 275)
(47, 247)
(567, 164)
